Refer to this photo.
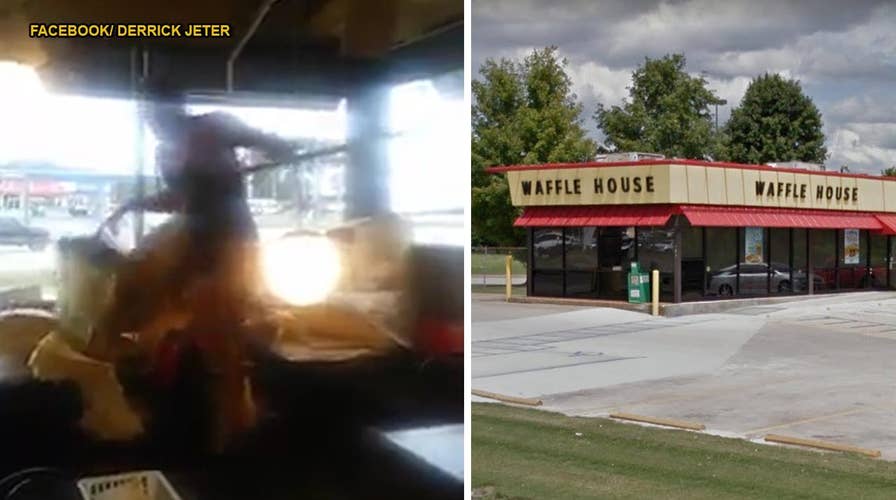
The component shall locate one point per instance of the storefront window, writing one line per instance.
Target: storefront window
(548, 248)
(655, 251)
(823, 250)
(581, 247)
(547, 258)
(800, 278)
(581, 261)
(753, 251)
(853, 261)
(547, 283)
(779, 259)
(721, 261)
(893, 262)
(878, 261)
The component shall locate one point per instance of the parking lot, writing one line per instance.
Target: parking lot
(816, 368)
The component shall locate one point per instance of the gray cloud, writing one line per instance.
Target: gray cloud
(844, 54)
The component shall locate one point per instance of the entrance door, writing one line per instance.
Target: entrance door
(615, 252)
(693, 265)
(878, 261)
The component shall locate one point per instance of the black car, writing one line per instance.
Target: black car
(13, 232)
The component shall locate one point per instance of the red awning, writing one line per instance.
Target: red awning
(704, 215)
(888, 221)
(720, 216)
(606, 215)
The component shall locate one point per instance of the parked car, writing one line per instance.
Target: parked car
(38, 209)
(13, 232)
(851, 277)
(754, 278)
(264, 206)
(78, 209)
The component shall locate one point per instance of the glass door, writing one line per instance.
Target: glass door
(615, 253)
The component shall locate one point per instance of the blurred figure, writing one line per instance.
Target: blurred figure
(201, 268)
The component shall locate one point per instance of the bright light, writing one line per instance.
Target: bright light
(23, 101)
(100, 133)
(301, 270)
(411, 105)
(19, 81)
(421, 180)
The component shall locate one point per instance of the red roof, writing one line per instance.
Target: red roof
(703, 215)
(699, 163)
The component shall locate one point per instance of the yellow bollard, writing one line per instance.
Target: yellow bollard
(655, 291)
(508, 290)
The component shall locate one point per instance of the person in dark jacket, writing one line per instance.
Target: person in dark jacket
(208, 266)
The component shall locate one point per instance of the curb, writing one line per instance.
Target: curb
(822, 445)
(506, 399)
(666, 422)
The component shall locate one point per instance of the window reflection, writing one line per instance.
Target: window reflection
(655, 251)
(547, 248)
(822, 248)
(780, 281)
(893, 262)
(581, 247)
(800, 269)
(581, 261)
(878, 261)
(721, 256)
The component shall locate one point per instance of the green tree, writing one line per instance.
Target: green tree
(524, 112)
(667, 111)
(889, 172)
(775, 121)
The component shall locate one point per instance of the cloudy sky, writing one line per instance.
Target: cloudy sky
(843, 53)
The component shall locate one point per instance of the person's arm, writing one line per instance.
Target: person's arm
(163, 201)
(239, 134)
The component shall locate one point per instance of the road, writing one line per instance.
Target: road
(816, 368)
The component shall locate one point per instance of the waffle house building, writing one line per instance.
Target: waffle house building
(710, 229)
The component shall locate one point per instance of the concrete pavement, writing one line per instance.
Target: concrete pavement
(818, 368)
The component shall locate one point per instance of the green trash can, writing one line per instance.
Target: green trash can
(638, 285)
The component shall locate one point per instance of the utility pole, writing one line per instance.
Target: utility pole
(722, 102)
(717, 102)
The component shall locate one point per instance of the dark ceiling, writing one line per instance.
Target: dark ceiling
(301, 47)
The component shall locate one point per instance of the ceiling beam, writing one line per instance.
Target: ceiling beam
(442, 51)
(314, 71)
(105, 70)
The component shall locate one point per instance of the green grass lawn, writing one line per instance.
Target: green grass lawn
(529, 454)
(493, 264)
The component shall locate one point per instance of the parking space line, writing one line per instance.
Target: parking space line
(811, 419)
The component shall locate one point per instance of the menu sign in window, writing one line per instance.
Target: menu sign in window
(753, 245)
(851, 246)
